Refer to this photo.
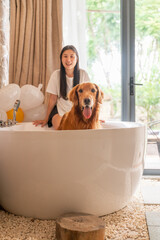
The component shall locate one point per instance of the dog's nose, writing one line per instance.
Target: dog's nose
(87, 101)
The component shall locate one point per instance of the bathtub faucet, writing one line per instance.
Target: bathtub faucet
(10, 122)
(15, 109)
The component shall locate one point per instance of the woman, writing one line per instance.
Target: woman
(60, 83)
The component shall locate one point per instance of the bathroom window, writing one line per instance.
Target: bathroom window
(94, 28)
(104, 53)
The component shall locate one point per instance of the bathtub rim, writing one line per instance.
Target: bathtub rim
(110, 125)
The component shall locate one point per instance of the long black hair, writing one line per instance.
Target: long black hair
(63, 83)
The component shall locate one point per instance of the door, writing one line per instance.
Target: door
(147, 62)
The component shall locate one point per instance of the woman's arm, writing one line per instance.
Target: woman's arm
(51, 103)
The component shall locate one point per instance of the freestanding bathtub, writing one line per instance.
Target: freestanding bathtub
(44, 173)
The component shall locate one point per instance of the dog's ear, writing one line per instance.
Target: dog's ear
(73, 95)
(100, 94)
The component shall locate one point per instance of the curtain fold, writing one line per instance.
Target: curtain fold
(74, 27)
(35, 40)
(4, 42)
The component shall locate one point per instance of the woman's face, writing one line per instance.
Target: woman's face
(69, 59)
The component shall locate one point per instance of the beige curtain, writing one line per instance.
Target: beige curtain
(4, 41)
(35, 40)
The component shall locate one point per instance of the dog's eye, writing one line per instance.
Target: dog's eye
(80, 90)
(93, 90)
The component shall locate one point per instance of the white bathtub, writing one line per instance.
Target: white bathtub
(44, 173)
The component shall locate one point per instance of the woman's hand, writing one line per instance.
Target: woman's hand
(40, 122)
(51, 104)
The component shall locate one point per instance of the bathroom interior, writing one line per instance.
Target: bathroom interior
(118, 45)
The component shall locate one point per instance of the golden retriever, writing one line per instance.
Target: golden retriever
(86, 98)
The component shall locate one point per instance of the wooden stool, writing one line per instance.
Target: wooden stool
(80, 227)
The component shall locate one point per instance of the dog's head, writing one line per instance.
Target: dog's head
(87, 96)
